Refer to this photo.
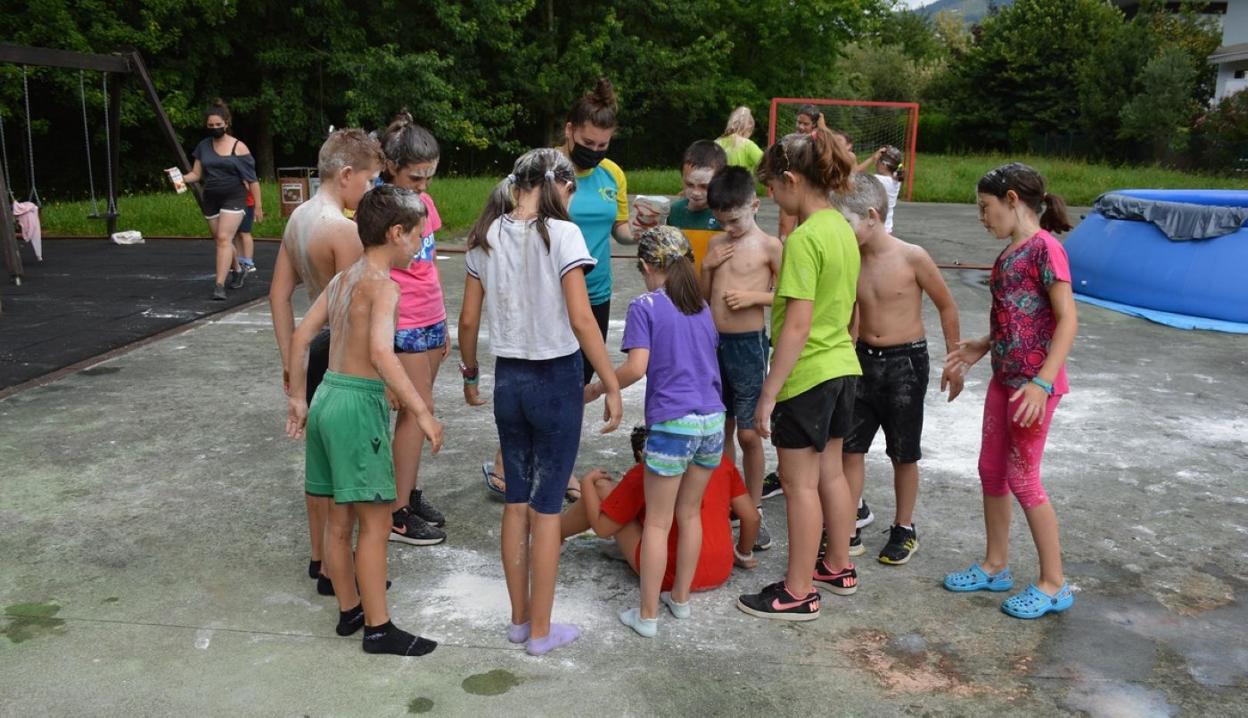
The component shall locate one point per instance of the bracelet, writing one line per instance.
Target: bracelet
(470, 382)
(1048, 388)
(469, 372)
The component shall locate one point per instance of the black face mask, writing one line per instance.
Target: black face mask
(216, 132)
(586, 158)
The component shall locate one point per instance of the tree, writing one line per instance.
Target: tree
(1162, 113)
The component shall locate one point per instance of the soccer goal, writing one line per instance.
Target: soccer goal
(867, 124)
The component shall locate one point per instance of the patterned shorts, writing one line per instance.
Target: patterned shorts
(422, 339)
(697, 438)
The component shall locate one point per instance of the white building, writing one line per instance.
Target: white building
(1232, 58)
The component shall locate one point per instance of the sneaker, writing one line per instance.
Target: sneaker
(775, 602)
(425, 510)
(855, 544)
(412, 529)
(218, 293)
(865, 517)
(842, 583)
(234, 280)
(771, 485)
(249, 268)
(762, 542)
(902, 543)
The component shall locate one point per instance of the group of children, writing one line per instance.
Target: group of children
(847, 357)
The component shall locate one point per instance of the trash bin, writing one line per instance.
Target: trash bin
(295, 185)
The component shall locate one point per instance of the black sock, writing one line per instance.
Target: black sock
(314, 569)
(350, 621)
(387, 638)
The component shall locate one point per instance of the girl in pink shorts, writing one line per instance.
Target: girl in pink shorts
(1033, 326)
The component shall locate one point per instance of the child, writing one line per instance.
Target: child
(670, 339)
(885, 162)
(318, 243)
(892, 349)
(807, 399)
(617, 510)
(526, 262)
(420, 342)
(1032, 329)
(737, 276)
(348, 426)
(807, 120)
(244, 243)
(690, 213)
(739, 149)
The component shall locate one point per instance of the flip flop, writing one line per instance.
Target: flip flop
(572, 495)
(1031, 602)
(975, 579)
(487, 470)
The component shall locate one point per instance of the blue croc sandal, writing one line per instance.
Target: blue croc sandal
(1034, 603)
(975, 579)
(487, 469)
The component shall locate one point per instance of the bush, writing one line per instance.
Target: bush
(1220, 138)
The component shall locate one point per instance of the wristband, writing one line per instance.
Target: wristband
(469, 372)
(470, 382)
(1048, 388)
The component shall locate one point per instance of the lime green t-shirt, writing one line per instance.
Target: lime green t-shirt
(820, 264)
(741, 151)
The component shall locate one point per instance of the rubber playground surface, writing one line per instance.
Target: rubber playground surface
(155, 550)
(91, 296)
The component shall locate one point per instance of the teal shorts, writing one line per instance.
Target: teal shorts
(694, 438)
(348, 441)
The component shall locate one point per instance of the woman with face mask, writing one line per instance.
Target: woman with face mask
(228, 172)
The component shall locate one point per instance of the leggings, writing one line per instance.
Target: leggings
(1009, 458)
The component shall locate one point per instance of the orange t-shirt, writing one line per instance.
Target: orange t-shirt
(628, 502)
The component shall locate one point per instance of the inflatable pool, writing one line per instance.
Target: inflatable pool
(1178, 257)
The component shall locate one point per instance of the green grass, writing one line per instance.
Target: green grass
(941, 178)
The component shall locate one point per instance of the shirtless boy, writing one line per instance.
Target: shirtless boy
(892, 349)
(319, 242)
(737, 277)
(348, 427)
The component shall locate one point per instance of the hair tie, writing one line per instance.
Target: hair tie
(550, 176)
(511, 179)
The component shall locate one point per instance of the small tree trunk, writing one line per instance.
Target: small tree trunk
(265, 165)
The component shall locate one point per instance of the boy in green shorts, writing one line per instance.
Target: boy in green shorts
(348, 425)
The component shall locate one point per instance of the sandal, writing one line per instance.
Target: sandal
(1034, 603)
(975, 579)
(573, 493)
(496, 484)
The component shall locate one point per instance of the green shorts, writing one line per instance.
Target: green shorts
(348, 441)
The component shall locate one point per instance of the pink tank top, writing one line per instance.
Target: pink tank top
(420, 299)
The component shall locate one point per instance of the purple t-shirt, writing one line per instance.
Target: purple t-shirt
(682, 377)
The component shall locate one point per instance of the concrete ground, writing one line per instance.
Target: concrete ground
(155, 547)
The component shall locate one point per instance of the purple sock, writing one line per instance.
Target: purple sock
(561, 634)
(518, 632)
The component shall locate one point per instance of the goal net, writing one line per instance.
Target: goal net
(869, 125)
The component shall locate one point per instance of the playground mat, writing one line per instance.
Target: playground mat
(90, 296)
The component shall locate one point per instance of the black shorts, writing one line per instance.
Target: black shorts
(318, 363)
(814, 417)
(602, 314)
(890, 396)
(232, 201)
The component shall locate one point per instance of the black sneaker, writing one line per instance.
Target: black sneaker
(218, 293)
(855, 544)
(775, 602)
(411, 529)
(237, 278)
(902, 543)
(842, 583)
(771, 485)
(865, 517)
(422, 508)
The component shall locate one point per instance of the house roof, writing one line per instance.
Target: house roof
(1230, 53)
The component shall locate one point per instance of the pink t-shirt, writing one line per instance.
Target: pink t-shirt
(420, 298)
(1022, 320)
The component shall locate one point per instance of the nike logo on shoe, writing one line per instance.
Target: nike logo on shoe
(779, 605)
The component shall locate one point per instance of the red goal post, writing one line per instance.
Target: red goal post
(868, 123)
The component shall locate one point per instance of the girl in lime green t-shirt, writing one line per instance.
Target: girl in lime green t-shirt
(736, 142)
(807, 400)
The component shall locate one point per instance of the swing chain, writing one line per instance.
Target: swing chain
(108, 151)
(30, 143)
(86, 136)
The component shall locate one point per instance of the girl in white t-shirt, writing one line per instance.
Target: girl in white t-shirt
(526, 265)
(885, 163)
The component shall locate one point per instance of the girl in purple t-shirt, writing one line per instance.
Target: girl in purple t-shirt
(670, 339)
(1033, 326)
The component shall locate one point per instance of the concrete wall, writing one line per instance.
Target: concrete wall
(1235, 23)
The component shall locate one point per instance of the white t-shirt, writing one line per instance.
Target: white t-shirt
(893, 187)
(528, 317)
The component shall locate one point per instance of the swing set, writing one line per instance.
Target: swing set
(120, 65)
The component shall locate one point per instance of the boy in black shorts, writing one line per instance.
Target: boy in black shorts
(892, 349)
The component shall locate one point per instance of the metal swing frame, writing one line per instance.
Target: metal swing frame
(120, 65)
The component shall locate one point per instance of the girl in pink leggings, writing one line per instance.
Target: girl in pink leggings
(1033, 326)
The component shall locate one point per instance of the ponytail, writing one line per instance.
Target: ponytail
(539, 170)
(1055, 218)
(821, 157)
(681, 286)
(502, 200)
